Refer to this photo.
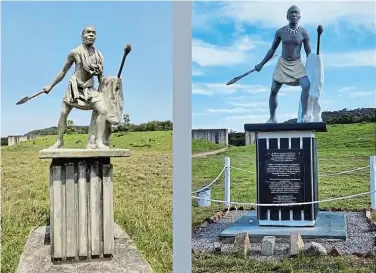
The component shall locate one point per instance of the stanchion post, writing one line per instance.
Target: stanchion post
(227, 182)
(372, 174)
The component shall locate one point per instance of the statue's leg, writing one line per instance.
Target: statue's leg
(91, 144)
(107, 133)
(273, 102)
(100, 132)
(305, 84)
(65, 110)
(100, 125)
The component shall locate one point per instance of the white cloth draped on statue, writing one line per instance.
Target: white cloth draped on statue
(315, 71)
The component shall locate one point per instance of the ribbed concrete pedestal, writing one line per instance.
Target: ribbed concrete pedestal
(81, 203)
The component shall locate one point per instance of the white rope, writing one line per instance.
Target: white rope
(215, 180)
(241, 170)
(286, 204)
(323, 175)
(344, 172)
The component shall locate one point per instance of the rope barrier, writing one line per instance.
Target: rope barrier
(344, 172)
(241, 170)
(215, 180)
(286, 204)
(323, 175)
(228, 202)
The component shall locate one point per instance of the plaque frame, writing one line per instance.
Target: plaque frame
(288, 137)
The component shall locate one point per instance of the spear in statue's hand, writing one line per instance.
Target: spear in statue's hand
(234, 80)
(25, 99)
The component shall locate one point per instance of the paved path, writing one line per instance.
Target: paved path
(210, 153)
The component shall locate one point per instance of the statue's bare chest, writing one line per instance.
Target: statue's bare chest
(292, 39)
(92, 58)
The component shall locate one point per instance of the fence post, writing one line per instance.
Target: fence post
(227, 182)
(372, 174)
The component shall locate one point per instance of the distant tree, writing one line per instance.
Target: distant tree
(4, 141)
(71, 129)
(125, 124)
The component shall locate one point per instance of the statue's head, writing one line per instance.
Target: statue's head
(293, 14)
(88, 35)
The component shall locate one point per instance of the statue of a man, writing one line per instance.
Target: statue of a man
(289, 69)
(81, 93)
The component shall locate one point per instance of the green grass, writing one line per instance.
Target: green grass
(200, 146)
(228, 263)
(343, 147)
(142, 193)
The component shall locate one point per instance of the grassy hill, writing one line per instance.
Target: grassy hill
(343, 147)
(142, 193)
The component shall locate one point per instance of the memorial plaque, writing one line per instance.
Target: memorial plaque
(283, 176)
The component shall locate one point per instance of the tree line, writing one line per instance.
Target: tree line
(124, 126)
(344, 116)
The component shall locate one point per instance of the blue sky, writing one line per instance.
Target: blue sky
(230, 38)
(36, 38)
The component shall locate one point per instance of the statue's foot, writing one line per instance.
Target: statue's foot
(272, 120)
(102, 146)
(306, 119)
(91, 146)
(57, 145)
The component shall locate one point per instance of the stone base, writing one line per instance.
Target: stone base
(36, 257)
(287, 172)
(329, 225)
(83, 153)
(287, 223)
(286, 127)
(81, 203)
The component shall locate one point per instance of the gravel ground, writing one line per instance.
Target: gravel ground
(359, 240)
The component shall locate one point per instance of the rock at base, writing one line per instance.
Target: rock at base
(296, 244)
(268, 245)
(370, 254)
(314, 248)
(334, 252)
(217, 247)
(242, 244)
(36, 257)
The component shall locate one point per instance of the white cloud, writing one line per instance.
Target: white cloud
(361, 94)
(273, 14)
(262, 118)
(206, 54)
(197, 72)
(201, 114)
(353, 92)
(363, 58)
(245, 104)
(226, 110)
(210, 89)
(201, 91)
(347, 88)
(236, 98)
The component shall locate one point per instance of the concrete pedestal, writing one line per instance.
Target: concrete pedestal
(286, 172)
(81, 203)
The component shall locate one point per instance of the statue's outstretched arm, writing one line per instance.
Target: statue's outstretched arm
(272, 50)
(67, 65)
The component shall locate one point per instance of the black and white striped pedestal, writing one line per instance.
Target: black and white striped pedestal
(286, 157)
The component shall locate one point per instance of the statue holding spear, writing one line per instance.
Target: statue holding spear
(106, 102)
(290, 69)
